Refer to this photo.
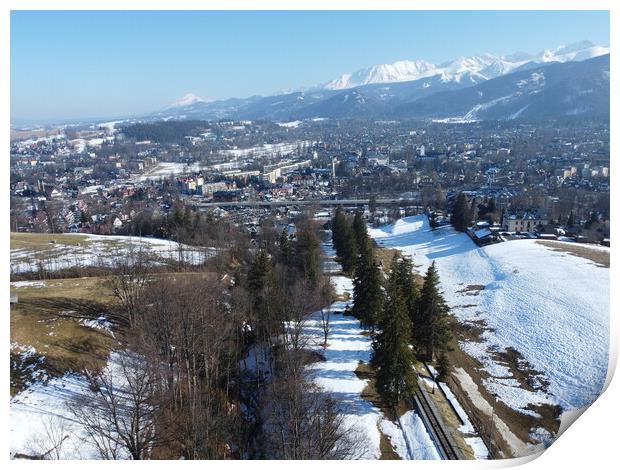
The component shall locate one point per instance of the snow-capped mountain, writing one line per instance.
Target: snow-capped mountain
(401, 71)
(582, 50)
(472, 70)
(188, 99)
(547, 90)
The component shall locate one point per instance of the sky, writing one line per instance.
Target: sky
(87, 64)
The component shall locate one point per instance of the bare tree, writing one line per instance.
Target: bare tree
(128, 284)
(303, 422)
(119, 414)
(325, 324)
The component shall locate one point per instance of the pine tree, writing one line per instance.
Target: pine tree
(460, 213)
(349, 249)
(492, 206)
(443, 367)
(285, 246)
(359, 229)
(392, 355)
(571, 219)
(433, 331)
(409, 292)
(372, 204)
(367, 292)
(338, 227)
(262, 287)
(308, 254)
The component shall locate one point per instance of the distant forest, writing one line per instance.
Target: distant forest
(163, 132)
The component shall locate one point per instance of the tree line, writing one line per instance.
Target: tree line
(407, 323)
(212, 367)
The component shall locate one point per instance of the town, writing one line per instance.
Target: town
(548, 179)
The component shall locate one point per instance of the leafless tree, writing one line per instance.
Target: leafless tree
(303, 422)
(325, 324)
(128, 283)
(119, 413)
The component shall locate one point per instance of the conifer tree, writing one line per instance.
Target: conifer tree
(262, 287)
(285, 246)
(372, 204)
(392, 355)
(349, 249)
(409, 292)
(492, 207)
(443, 367)
(460, 213)
(359, 229)
(433, 331)
(308, 254)
(338, 227)
(367, 292)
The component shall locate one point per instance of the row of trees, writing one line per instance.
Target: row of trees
(350, 238)
(411, 324)
(406, 322)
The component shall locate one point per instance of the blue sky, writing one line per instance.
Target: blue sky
(116, 63)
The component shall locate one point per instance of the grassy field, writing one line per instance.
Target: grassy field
(60, 344)
(63, 344)
(600, 257)
(41, 241)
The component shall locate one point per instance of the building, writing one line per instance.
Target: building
(525, 221)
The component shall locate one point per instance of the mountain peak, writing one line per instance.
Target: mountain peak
(186, 100)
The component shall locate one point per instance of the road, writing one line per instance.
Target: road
(308, 202)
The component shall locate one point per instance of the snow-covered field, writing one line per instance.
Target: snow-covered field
(550, 306)
(105, 251)
(165, 169)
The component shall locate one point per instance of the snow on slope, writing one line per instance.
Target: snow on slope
(400, 71)
(550, 306)
(43, 407)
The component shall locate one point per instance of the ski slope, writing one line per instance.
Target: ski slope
(552, 307)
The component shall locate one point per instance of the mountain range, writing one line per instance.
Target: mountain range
(476, 68)
(567, 80)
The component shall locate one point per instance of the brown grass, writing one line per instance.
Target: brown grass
(472, 289)
(600, 257)
(41, 241)
(385, 256)
(62, 344)
(366, 372)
